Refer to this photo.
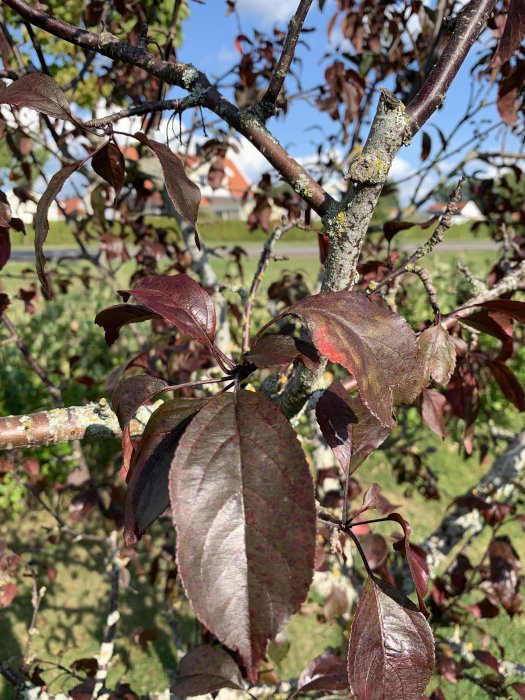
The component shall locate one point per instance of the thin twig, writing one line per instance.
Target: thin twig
(258, 277)
(269, 100)
(445, 222)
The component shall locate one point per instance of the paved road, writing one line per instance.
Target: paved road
(299, 250)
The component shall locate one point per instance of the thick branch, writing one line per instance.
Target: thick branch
(186, 76)
(286, 58)
(468, 25)
(67, 424)
(497, 486)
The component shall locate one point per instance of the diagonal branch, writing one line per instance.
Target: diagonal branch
(285, 61)
(186, 76)
(468, 26)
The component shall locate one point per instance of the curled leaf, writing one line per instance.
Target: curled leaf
(115, 317)
(41, 222)
(184, 193)
(110, 165)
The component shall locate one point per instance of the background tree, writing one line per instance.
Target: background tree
(343, 368)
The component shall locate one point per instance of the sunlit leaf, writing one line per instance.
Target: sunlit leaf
(205, 670)
(180, 301)
(391, 649)
(39, 92)
(184, 193)
(375, 344)
(243, 505)
(439, 353)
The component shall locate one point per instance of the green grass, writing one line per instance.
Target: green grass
(236, 232)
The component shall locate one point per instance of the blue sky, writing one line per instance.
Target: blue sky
(209, 36)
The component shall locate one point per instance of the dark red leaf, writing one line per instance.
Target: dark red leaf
(180, 301)
(391, 648)
(216, 173)
(184, 193)
(274, 350)
(495, 324)
(507, 307)
(205, 670)
(373, 499)
(41, 223)
(390, 228)
(416, 559)
(519, 688)
(114, 317)
(5, 246)
(109, 163)
(326, 672)
(348, 427)
(426, 145)
(513, 34)
(432, 405)
(439, 354)
(243, 506)
(39, 92)
(487, 658)
(7, 593)
(126, 400)
(375, 344)
(147, 493)
(375, 548)
(132, 393)
(508, 383)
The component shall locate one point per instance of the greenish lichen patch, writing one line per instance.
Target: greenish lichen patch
(188, 75)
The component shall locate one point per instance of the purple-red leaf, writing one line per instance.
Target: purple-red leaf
(180, 301)
(114, 317)
(439, 354)
(126, 400)
(375, 344)
(507, 307)
(391, 649)
(326, 672)
(39, 92)
(513, 34)
(432, 405)
(184, 193)
(348, 427)
(206, 670)
(426, 145)
(110, 165)
(5, 246)
(373, 499)
(416, 560)
(391, 228)
(375, 549)
(508, 383)
(132, 393)
(41, 223)
(274, 350)
(147, 493)
(243, 505)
